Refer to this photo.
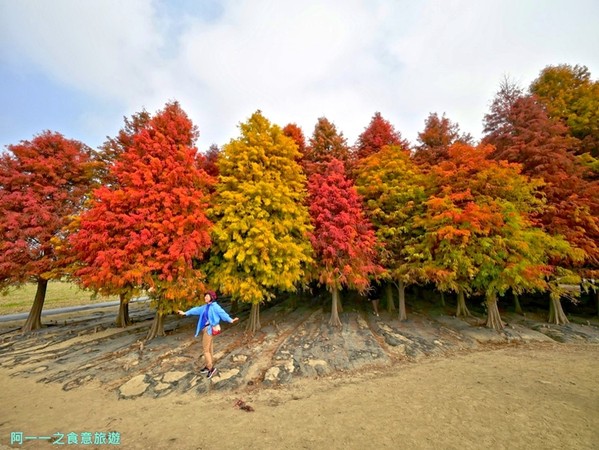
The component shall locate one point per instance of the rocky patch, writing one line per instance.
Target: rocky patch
(292, 344)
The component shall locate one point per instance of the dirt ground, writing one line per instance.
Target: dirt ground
(424, 391)
(539, 396)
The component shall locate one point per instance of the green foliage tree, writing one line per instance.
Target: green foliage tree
(394, 192)
(570, 95)
(260, 237)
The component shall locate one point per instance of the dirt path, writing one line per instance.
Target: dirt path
(534, 396)
(435, 381)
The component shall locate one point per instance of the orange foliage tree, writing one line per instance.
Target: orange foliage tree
(295, 132)
(325, 145)
(149, 229)
(478, 235)
(434, 141)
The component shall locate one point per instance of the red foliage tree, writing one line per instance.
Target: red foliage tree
(208, 162)
(376, 135)
(116, 146)
(545, 150)
(43, 183)
(343, 240)
(109, 153)
(149, 228)
(521, 131)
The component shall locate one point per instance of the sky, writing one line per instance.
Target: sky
(79, 67)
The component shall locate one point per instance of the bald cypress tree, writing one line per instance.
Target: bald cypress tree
(260, 236)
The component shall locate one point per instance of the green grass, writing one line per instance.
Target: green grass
(58, 295)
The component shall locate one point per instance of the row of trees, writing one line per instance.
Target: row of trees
(271, 212)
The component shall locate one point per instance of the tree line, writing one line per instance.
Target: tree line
(272, 212)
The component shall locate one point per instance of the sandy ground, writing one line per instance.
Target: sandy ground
(524, 396)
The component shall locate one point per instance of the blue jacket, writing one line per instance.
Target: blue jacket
(215, 314)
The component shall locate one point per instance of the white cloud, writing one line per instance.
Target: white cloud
(297, 61)
(105, 48)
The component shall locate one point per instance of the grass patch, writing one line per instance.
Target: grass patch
(58, 295)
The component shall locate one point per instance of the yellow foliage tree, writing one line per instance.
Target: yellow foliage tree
(260, 237)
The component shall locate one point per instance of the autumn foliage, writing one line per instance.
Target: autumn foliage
(521, 131)
(294, 132)
(434, 141)
(273, 211)
(150, 227)
(343, 240)
(570, 96)
(394, 191)
(261, 223)
(43, 184)
(378, 134)
(478, 233)
(326, 144)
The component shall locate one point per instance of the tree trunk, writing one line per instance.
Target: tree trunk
(517, 307)
(493, 318)
(334, 321)
(34, 320)
(401, 289)
(157, 328)
(339, 305)
(462, 309)
(556, 313)
(293, 301)
(254, 322)
(123, 319)
(443, 299)
(389, 297)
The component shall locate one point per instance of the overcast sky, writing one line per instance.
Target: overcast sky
(77, 67)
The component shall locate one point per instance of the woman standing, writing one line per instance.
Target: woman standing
(208, 324)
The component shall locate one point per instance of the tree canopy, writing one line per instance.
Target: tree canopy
(261, 223)
(43, 184)
(150, 226)
(343, 240)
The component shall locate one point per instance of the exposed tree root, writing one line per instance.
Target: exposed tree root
(493, 317)
(157, 328)
(335, 321)
(34, 320)
(556, 312)
(254, 320)
(462, 309)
